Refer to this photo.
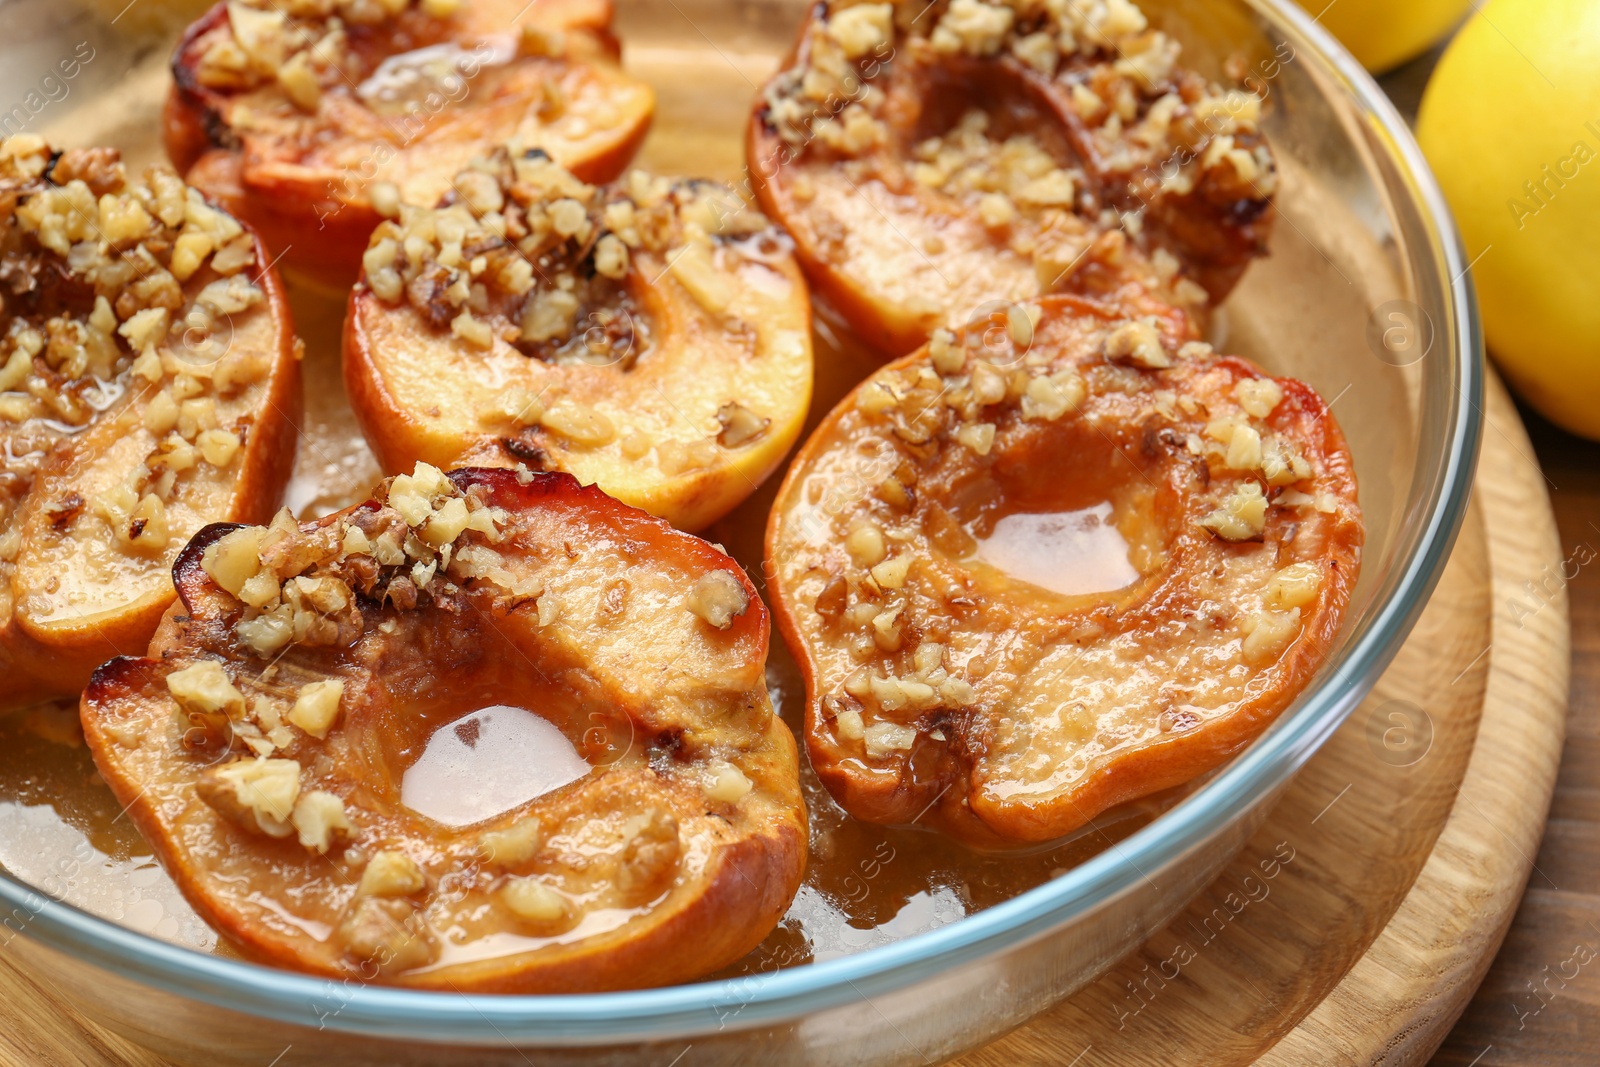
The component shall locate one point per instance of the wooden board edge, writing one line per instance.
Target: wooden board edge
(1398, 1002)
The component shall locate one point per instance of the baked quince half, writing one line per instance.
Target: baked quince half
(149, 384)
(313, 119)
(651, 337)
(932, 158)
(1027, 585)
(492, 731)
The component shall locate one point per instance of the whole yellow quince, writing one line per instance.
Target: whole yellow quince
(1511, 124)
(1385, 33)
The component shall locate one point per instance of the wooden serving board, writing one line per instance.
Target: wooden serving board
(1357, 922)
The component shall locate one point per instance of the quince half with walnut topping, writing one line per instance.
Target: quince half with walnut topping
(932, 158)
(650, 337)
(149, 384)
(1027, 584)
(314, 118)
(492, 731)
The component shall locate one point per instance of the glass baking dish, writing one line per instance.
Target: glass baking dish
(1365, 295)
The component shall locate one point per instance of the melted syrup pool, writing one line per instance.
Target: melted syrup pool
(1069, 552)
(487, 763)
(403, 83)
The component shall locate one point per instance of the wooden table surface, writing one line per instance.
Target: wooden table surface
(1540, 1002)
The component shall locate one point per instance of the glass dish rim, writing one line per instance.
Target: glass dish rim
(791, 993)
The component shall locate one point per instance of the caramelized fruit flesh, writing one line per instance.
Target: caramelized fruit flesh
(651, 338)
(1061, 562)
(487, 732)
(149, 385)
(933, 159)
(311, 119)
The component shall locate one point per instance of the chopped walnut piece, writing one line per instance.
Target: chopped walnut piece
(865, 544)
(973, 27)
(391, 874)
(206, 688)
(649, 857)
(385, 199)
(319, 819)
(1051, 396)
(947, 355)
(887, 738)
(1139, 343)
(740, 425)
(611, 257)
(257, 794)
(978, 436)
(536, 904)
(235, 558)
(863, 28)
(726, 783)
(584, 426)
(1281, 463)
(1242, 516)
(1267, 633)
(299, 81)
(718, 598)
(1295, 586)
(891, 573)
(1258, 396)
(447, 522)
(316, 707)
(218, 447)
(265, 634)
(513, 845)
(474, 331)
(388, 932)
(1244, 447)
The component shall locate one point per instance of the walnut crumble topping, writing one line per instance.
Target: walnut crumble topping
(114, 284)
(524, 252)
(1120, 75)
(302, 47)
(420, 544)
(1064, 130)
